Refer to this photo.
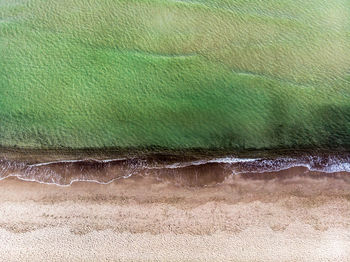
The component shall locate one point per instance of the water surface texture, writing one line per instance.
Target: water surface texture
(177, 75)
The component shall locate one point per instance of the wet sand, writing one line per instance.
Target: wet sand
(260, 217)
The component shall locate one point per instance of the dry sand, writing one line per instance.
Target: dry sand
(142, 219)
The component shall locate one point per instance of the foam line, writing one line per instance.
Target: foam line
(65, 185)
(77, 161)
(46, 175)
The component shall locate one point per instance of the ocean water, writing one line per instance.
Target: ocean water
(163, 75)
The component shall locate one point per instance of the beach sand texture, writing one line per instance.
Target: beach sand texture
(291, 218)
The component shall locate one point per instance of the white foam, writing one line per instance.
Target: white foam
(77, 161)
(225, 160)
(326, 164)
(334, 168)
(232, 160)
(20, 177)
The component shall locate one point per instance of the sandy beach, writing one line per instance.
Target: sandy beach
(252, 218)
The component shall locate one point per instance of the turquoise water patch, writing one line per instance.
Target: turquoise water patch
(142, 74)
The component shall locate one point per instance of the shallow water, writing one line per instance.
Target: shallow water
(199, 172)
(200, 74)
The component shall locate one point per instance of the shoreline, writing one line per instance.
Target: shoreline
(197, 172)
(163, 209)
(290, 218)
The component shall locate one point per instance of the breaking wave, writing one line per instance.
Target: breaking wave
(66, 172)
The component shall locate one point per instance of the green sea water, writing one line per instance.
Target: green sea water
(206, 74)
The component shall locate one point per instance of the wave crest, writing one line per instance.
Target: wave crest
(105, 171)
